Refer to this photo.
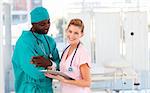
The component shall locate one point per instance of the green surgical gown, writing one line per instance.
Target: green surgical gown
(28, 78)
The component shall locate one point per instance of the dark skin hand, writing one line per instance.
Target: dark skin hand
(40, 61)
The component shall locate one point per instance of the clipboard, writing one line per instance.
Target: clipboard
(53, 72)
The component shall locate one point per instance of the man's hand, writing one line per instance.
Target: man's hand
(41, 61)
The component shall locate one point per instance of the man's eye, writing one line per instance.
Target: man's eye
(42, 24)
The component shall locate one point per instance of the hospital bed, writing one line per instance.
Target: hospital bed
(115, 83)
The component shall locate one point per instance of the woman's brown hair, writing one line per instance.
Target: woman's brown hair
(77, 22)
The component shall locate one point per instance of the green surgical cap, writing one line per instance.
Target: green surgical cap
(39, 14)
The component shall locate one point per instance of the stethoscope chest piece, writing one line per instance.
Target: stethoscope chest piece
(50, 55)
(70, 69)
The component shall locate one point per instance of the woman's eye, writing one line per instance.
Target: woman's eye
(76, 33)
(70, 31)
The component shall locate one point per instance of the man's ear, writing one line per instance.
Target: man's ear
(33, 26)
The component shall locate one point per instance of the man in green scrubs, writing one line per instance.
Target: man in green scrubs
(34, 46)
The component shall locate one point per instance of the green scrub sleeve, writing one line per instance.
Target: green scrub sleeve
(25, 55)
(55, 56)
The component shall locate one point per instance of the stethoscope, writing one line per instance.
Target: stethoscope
(70, 69)
(41, 46)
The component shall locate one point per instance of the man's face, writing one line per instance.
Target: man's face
(41, 27)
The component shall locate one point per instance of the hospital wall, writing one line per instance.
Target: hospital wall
(116, 37)
(2, 83)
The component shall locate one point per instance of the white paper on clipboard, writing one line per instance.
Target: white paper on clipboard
(53, 72)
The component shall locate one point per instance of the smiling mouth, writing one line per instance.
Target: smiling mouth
(46, 30)
(71, 39)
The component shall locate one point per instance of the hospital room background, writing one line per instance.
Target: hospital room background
(117, 36)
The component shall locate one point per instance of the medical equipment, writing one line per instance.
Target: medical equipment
(70, 67)
(41, 46)
(53, 72)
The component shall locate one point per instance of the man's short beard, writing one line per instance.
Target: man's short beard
(41, 32)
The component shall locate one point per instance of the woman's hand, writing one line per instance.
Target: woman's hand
(58, 77)
(49, 68)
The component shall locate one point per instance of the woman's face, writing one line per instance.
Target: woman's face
(74, 34)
